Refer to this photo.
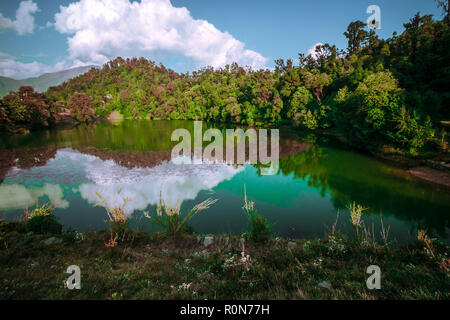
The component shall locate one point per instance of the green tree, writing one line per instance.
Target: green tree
(80, 107)
(356, 36)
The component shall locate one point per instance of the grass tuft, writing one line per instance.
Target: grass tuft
(169, 217)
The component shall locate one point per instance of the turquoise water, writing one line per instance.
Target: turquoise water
(131, 158)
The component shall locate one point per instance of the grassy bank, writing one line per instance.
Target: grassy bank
(158, 266)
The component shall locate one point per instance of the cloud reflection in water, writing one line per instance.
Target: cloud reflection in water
(143, 186)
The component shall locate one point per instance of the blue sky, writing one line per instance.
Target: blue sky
(249, 31)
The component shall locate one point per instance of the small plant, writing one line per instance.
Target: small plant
(423, 236)
(307, 245)
(443, 142)
(384, 232)
(41, 220)
(336, 245)
(356, 211)
(335, 241)
(369, 236)
(73, 236)
(432, 246)
(169, 218)
(259, 227)
(444, 264)
(245, 258)
(39, 211)
(118, 220)
(245, 261)
(112, 240)
(115, 213)
(318, 262)
(333, 227)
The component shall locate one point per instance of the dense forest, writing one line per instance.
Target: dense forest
(377, 92)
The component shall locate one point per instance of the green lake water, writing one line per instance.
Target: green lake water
(131, 158)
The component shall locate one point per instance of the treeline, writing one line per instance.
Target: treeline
(376, 92)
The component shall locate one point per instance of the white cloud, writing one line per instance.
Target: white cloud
(146, 186)
(10, 67)
(312, 50)
(47, 25)
(105, 29)
(143, 186)
(24, 22)
(17, 196)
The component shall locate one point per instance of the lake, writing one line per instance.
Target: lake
(131, 158)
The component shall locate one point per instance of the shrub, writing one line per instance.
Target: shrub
(41, 220)
(375, 113)
(300, 99)
(26, 108)
(356, 211)
(259, 227)
(44, 224)
(80, 106)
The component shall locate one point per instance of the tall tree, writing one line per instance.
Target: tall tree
(356, 36)
(445, 8)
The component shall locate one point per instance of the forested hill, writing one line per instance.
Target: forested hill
(376, 92)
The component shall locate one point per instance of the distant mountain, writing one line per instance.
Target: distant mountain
(8, 84)
(43, 82)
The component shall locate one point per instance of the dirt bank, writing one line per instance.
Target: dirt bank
(432, 175)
